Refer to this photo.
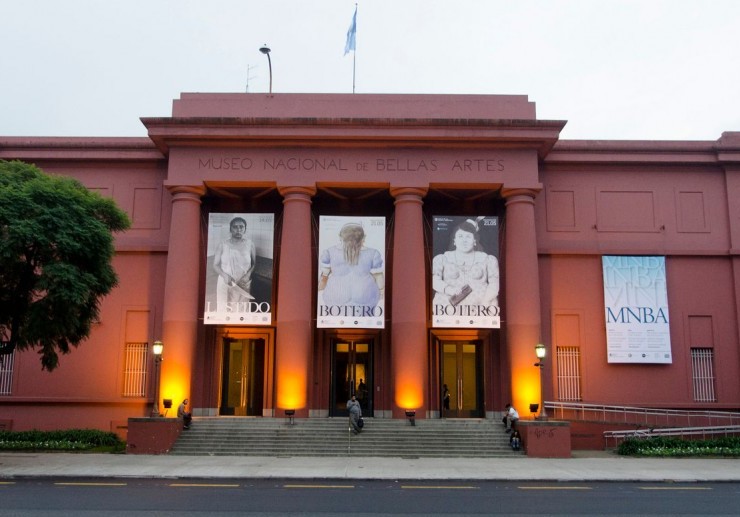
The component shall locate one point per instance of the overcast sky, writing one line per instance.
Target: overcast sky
(614, 69)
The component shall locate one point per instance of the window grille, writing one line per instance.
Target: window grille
(135, 369)
(6, 373)
(702, 369)
(569, 373)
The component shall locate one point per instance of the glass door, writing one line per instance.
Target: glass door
(462, 376)
(352, 374)
(242, 380)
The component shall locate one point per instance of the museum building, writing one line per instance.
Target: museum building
(292, 250)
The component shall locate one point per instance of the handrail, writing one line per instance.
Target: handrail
(675, 431)
(642, 416)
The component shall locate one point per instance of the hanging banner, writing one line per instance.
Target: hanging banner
(239, 269)
(636, 310)
(351, 284)
(465, 272)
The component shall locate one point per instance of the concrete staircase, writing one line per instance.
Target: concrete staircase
(235, 436)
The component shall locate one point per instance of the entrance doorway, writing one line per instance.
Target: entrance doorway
(243, 378)
(351, 374)
(462, 367)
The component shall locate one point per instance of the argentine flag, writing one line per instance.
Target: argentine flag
(351, 35)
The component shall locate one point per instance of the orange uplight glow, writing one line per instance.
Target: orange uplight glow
(175, 383)
(525, 388)
(409, 394)
(291, 390)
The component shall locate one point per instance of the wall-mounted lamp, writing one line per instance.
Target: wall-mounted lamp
(157, 349)
(290, 413)
(411, 415)
(540, 351)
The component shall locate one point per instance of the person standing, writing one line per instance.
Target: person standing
(183, 413)
(355, 414)
(445, 398)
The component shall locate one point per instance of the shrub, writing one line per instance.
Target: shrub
(728, 446)
(71, 439)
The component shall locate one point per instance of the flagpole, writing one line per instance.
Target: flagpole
(354, 53)
(351, 46)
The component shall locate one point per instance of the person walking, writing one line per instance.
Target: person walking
(355, 414)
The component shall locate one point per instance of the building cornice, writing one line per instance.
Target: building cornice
(79, 149)
(539, 135)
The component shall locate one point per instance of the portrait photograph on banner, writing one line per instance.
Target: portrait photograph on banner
(636, 310)
(351, 276)
(465, 272)
(239, 270)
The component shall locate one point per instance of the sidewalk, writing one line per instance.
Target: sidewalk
(583, 466)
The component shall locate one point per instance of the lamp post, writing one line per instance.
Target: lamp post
(157, 348)
(540, 352)
(266, 51)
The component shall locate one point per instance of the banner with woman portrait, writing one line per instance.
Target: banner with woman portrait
(239, 270)
(465, 272)
(351, 276)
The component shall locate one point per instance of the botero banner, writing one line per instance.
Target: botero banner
(465, 272)
(636, 310)
(239, 269)
(351, 276)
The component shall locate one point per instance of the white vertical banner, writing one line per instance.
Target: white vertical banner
(351, 276)
(239, 261)
(465, 272)
(636, 310)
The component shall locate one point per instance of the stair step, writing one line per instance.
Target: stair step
(250, 436)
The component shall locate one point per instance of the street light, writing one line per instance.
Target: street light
(157, 348)
(540, 352)
(266, 51)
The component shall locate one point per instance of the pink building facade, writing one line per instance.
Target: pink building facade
(561, 229)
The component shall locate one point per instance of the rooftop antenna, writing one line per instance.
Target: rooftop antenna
(249, 76)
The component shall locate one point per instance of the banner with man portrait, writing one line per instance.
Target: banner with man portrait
(239, 269)
(465, 272)
(351, 276)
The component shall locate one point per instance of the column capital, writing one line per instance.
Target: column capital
(300, 191)
(519, 195)
(188, 190)
(399, 193)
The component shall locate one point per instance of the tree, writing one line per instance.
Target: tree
(56, 249)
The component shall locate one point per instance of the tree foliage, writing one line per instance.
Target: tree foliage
(56, 249)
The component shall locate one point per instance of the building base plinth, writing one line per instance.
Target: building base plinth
(546, 438)
(152, 435)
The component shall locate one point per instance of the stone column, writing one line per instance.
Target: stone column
(409, 361)
(180, 312)
(522, 298)
(294, 297)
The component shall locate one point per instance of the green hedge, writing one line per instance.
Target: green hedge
(71, 439)
(662, 446)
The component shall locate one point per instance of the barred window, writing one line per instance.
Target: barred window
(702, 369)
(6, 373)
(135, 369)
(569, 373)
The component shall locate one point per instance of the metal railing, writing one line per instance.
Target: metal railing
(681, 432)
(647, 417)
